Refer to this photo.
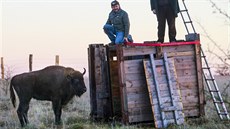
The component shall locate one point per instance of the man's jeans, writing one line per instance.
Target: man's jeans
(115, 36)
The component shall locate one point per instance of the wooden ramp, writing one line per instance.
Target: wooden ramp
(164, 91)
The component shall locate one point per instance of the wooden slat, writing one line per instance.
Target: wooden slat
(122, 80)
(132, 77)
(135, 83)
(188, 85)
(137, 97)
(181, 48)
(142, 50)
(185, 72)
(137, 90)
(140, 110)
(200, 79)
(189, 92)
(182, 79)
(139, 104)
(175, 54)
(164, 95)
(181, 59)
(133, 66)
(194, 112)
(141, 118)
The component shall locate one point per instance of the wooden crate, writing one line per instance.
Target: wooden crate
(134, 93)
(125, 83)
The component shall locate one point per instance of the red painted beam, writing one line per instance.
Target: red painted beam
(163, 44)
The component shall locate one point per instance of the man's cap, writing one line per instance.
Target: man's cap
(113, 3)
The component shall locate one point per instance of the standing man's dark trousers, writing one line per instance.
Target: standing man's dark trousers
(166, 13)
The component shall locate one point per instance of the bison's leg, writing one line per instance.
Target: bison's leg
(25, 115)
(57, 107)
(22, 113)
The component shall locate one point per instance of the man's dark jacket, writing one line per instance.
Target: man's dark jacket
(173, 3)
(120, 21)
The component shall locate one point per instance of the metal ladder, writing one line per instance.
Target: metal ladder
(213, 89)
(192, 35)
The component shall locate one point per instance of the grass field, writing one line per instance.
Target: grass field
(76, 114)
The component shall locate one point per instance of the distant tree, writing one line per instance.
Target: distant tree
(224, 55)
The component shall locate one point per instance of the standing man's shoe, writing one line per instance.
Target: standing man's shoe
(173, 40)
(160, 41)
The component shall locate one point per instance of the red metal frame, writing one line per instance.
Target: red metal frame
(163, 44)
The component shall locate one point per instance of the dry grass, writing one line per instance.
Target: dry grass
(76, 116)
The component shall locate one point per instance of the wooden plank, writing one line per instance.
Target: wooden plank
(188, 85)
(175, 54)
(200, 79)
(164, 96)
(139, 110)
(138, 50)
(152, 66)
(185, 65)
(134, 66)
(176, 107)
(137, 90)
(194, 112)
(141, 118)
(181, 59)
(137, 97)
(189, 92)
(135, 83)
(132, 77)
(93, 100)
(122, 80)
(189, 100)
(182, 79)
(139, 104)
(185, 72)
(181, 48)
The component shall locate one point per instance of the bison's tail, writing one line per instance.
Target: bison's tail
(12, 95)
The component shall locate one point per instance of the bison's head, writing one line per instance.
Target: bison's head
(77, 81)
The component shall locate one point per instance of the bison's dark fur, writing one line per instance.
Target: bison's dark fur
(54, 83)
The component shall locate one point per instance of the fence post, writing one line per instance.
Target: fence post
(30, 62)
(2, 68)
(57, 60)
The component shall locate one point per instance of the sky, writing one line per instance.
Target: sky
(46, 28)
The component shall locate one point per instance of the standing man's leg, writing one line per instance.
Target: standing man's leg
(119, 38)
(110, 31)
(161, 18)
(171, 25)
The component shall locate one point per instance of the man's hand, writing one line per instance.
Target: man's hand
(154, 11)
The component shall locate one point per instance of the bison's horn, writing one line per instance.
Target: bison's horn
(84, 71)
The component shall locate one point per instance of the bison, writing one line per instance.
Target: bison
(57, 84)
